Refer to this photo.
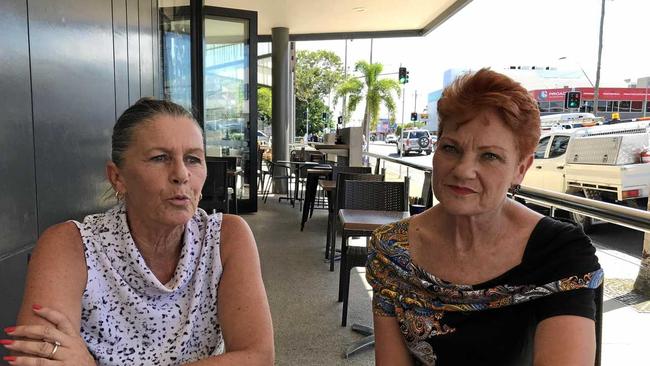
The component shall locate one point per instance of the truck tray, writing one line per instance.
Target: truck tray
(607, 150)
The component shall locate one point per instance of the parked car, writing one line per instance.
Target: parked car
(602, 163)
(390, 139)
(415, 140)
(262, 138)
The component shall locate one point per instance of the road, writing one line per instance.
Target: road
(607, 236)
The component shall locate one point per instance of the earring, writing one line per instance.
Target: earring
(514, 189)
(119, 196)
(200, 196)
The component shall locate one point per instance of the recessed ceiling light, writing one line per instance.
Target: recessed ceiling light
(359, 9)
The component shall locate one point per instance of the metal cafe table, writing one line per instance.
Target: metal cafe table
(363, 223)
(297, 167)
(311, 187)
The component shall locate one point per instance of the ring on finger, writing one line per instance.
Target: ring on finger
(56, 345)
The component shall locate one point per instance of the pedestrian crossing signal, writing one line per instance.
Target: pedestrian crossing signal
(414, 116)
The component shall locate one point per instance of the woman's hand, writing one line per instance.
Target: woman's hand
(55, 344)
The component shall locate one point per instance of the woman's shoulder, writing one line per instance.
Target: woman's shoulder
(560, 248)
(64, 233)
(60, 247)
(236, 236)
(552, 234)
(391, 241)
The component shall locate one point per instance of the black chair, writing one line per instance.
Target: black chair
(364, 195)
(338, 203)
(231, 179)
(277, 172)
(264, 175)
(311, 188)
(350, 169)
(260, 170)
(215, 191)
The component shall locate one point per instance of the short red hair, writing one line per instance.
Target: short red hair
(488, 91)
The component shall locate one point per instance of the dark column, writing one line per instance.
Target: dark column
(280, 102)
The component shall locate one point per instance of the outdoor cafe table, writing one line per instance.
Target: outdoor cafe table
(363, 223)
(297, 166)
(313, 176)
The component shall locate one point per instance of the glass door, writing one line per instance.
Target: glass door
(229, 107)
(211, 70)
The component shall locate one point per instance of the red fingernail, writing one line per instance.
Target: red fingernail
(9, 358)
(6, 341)
(10, 329)
(36, 307)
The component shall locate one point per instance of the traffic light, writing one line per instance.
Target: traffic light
(407, 76)
(414, 116)
(340, 120)
(324, 116)
(403, 75)
(572, 100)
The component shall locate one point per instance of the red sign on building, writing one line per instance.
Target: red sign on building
(557, 95)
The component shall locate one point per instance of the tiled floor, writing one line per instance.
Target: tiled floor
(303, 292)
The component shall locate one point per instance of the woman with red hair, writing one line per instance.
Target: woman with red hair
(480, 278)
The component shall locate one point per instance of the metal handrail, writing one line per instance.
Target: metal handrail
(379, 157)
(625, 216)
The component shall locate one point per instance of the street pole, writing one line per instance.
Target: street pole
(307, 122)
(403, 98)
(415, 106)
(600, 53)
(345, 76)
(645, 98)
(367, 131)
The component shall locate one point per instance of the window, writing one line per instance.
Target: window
(418, 134)
(558, 147)
(624, 106)
(647, 107)
(602, 105)
(541, 147)
(544, 106)
(637, 106)
(556, 107)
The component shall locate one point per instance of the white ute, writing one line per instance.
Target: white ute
(602, 163)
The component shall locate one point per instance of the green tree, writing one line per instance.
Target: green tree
(318, 73)
(316, 122)
(264, 106)
(372, 90)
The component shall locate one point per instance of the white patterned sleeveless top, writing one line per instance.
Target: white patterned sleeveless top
(128, 317)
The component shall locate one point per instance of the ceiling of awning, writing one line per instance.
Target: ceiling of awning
(318, 19)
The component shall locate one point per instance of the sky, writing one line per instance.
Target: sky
(501, 33)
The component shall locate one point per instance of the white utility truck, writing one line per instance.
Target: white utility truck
(603, 163)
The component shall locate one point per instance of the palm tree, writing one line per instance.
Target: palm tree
(375, 91)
